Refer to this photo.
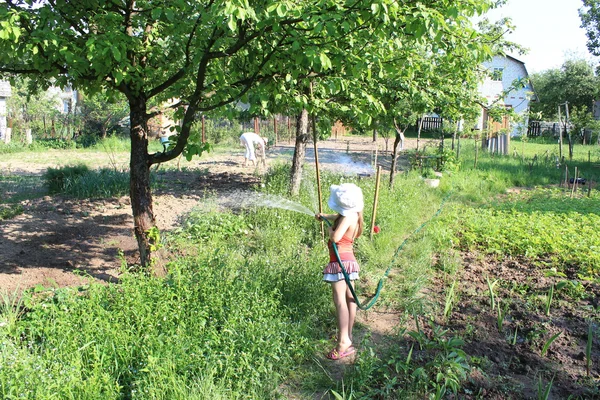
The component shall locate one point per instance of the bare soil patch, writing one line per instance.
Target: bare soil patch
(510, 357)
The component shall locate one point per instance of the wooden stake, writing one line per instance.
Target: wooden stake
(574, 183)
(375, 200)
(590, 188)
(567, 176)
(275, 129)
(203, 132)
(318, 174)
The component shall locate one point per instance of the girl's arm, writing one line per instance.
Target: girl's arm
(343, 225)
(329, 217)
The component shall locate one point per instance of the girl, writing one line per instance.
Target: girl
(347, 200)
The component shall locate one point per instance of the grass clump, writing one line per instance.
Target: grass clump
(81, 182)
(8, 211)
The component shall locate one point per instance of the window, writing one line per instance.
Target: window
(497, 74)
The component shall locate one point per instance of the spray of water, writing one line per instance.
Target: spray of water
(253, 199)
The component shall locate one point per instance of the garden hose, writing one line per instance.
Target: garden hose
(387, 272)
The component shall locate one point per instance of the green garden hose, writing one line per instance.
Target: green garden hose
(387, 272)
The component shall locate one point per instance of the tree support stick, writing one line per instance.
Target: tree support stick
(574, 183)
(375, 200)
(318, 174)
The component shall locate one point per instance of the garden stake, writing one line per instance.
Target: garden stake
(318, 174)
(574, 183)
(388, 270)
(375, 201)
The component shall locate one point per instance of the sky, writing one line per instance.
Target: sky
(550, 29)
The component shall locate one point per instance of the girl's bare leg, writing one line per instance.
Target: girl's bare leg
(343, 315)
(351, 310)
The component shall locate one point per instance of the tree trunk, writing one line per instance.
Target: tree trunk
(141, 197)
(397, 141)
(374, 134)
(302, 138)
(454, 134)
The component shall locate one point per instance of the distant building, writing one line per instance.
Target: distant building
(5, 93)
(69, 99)
(503, 72)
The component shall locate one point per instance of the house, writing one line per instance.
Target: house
(508, 84)
(5, 93)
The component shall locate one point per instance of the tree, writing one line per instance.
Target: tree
(575, 83)
(206, 54)
(102, 114)
(32, 109)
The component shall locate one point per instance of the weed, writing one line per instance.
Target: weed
(449, 303)
(9, 211)
(491, 294)
(549, 342)
(501, 315)
(549, 299)
(514, 337)
(543, 392)
(57, 179)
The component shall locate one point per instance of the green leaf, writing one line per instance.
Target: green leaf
(156, 13)
(116, 53)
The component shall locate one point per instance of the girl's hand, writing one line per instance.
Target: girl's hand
(319, 216)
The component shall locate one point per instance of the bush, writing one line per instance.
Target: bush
(54, 143)
(56, 179)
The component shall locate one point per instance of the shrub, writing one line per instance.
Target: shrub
(56, 179)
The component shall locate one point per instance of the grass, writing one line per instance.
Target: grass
(242, 311)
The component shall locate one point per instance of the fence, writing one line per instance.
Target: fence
(541, 128)
(430, 124)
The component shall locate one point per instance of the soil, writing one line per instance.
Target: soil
(59, 242)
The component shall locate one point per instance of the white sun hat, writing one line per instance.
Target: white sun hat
(346, 198)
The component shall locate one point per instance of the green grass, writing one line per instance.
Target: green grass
(242, 310)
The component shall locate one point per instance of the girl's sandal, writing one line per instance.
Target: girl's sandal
(336, 355)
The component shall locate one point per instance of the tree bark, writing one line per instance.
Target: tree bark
(302, 138)
(139, 169)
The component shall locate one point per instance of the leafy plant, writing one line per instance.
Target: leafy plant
(429, 173)
(8, 211)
